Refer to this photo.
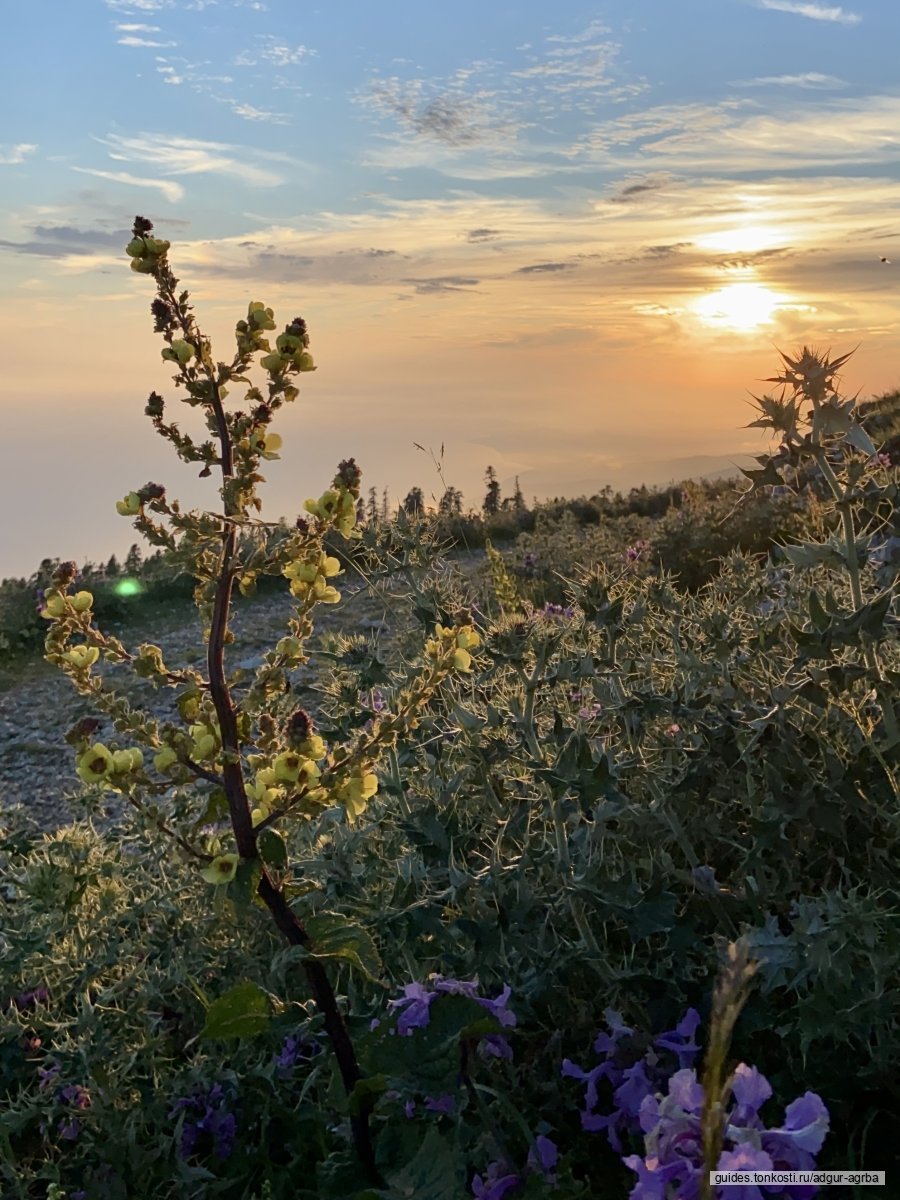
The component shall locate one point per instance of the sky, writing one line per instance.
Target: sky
(567, 240)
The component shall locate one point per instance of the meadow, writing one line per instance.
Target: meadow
(580, 883)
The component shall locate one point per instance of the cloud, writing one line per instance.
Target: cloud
(626, 192)
(815, 12)
(139, 5)
(173, 192)
(138, 29)
(545, 268)
(278, 53)
(453, 117)
(188, 156)
(249, 113)
(737, 136)
(130, 40)
(448, 283)
(62, 241)
(811, 79)
(482, 235)
(12, 156)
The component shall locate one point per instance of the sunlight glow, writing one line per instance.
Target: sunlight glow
(747, 239)
(739, 306)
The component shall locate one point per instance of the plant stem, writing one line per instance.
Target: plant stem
(233, 779)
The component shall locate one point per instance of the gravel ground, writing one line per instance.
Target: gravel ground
(37, 766)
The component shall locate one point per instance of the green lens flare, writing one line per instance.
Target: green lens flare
(128, 587)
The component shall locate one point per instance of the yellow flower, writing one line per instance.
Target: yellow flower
(357, 791)
(95, 764)
(304, 361)
(462, 660)
(467, 638)
(130, 506)
(291, 767)
(267, 776)
(314, 747)
(258, 815)
(324, 593)
(222, 869)
(82, 601)
(274, 363)
(54, 606)
(82, 656)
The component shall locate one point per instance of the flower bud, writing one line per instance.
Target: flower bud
(304, 361)
(55, 606)
(82, 601)
(136, 248)
(164, 759)
(129, 506)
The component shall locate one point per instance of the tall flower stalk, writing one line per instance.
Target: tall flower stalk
(296, 774)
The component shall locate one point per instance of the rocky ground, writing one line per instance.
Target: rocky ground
(38, 703)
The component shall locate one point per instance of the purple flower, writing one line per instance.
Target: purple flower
(416, 1004)
(378, 700)
(751, 1090)
(443, 1104)
(76, 1095)
(557, 610)
(69, 1128)
(745, 1158)
(31, 999)
(409, 1109)
(47, 1075)
(680, 1040)
(210, 1126)
(495, 1184)
(543, 1155)
(294, 1050)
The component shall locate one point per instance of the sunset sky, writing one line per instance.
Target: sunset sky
(564, 240)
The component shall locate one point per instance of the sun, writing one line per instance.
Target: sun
(742, 307)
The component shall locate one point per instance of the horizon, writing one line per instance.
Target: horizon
(569, 246)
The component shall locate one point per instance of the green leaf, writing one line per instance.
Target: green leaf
(241, 1012)
(374, 1085)
(272, 848)
(216, 809)
(434, 1172)
(242, 889)
(817, 613)
(859, 439)
(333, 936)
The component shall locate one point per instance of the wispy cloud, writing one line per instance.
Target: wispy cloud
(138, 5)
(12, 156)
(815, 12)
(274, 51)
(132, 40)
(188, 156)
(138, 29)
(810, 79)
(249, 113)
(173, 192)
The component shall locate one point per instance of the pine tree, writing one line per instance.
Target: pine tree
(518, 498)
(372, 507)
(492, 499)
(450, 503)
(385, 506)
(133, 560)
(414, 504)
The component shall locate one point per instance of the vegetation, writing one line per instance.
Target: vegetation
(456, 931)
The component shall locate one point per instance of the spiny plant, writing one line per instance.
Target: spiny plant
(236, 759)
